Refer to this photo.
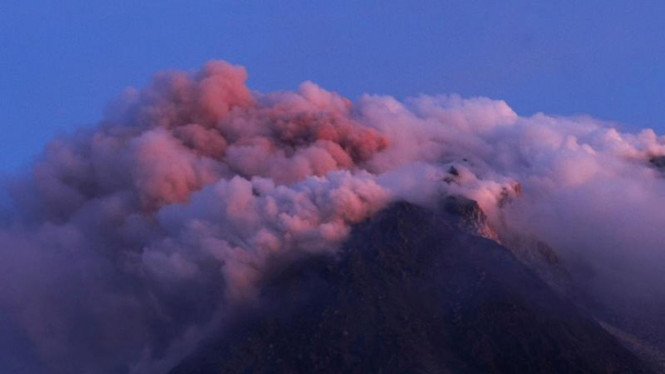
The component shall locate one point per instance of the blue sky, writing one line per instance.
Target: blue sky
(62, 61)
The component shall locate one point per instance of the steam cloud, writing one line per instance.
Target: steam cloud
(127, 242)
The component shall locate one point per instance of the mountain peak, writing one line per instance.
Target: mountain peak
(412, 292)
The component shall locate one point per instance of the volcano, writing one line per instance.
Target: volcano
(413, 290)
(203, 226)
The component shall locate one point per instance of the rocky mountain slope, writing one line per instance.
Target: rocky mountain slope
(412, 291)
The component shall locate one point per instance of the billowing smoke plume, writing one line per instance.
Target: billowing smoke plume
(128, 242)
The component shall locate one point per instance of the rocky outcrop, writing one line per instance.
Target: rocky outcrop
(467, 215)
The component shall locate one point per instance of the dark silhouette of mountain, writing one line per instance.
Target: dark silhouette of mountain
(411, 291)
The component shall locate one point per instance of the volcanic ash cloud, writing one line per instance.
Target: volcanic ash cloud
(131, 240)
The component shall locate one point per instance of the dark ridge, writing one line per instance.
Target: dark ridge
(466, 215)
(411, 293)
